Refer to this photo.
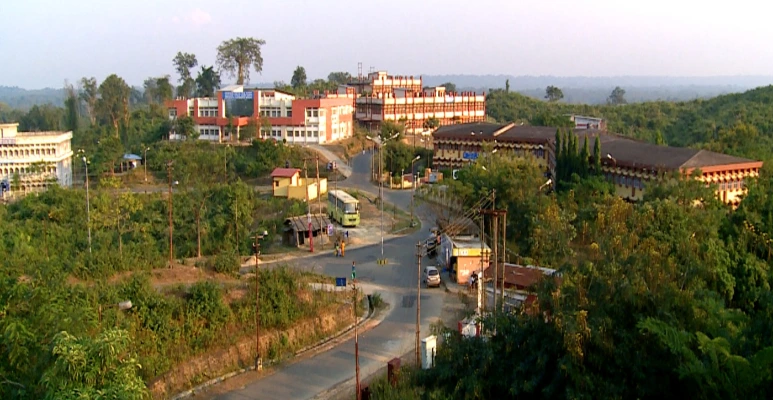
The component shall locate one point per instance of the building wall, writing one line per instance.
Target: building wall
(449, 153)
(23, 152)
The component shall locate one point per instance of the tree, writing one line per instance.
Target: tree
(89, 94)
(553, 94)
(149, 87)
(42, 118)
(114, 209)
(164, 89)
(597, 156)
(507, 86)
(617, 97)
(72, 108)
(450, 87)
(184, 63)
(235, 57)
(339, 78)
(431, 123)
(93, 368)
(113, 104)
(185, 127)
(207, 82)
(390, 128)
(298, 80)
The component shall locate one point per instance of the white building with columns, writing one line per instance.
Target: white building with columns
(39, 159)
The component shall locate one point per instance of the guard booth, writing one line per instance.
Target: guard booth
(461, 255)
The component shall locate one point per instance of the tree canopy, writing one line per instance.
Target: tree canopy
(236, 56)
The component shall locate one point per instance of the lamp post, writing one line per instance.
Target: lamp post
(381, 142)
(258, 359)
(122, 306)
(145, 162)
(88, 205)
(413, 189)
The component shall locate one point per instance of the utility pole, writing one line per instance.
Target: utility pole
(356, 339)
(145, 162)
(308, 203)
(418, 304)
(381, 196)
(169, 206)
(88, 204)
(481, 278)
(504, 254)
(319, 199)
(494, 229)
(258, 360)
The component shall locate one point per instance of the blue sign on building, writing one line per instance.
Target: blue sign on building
(238, 95)
(469, 155)
(341, 282)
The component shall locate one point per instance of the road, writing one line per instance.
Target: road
(393, 337)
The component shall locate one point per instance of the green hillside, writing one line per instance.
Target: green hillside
(739, 124)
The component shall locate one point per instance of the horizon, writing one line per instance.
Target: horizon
(139, 39)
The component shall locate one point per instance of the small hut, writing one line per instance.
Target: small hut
(296, 231)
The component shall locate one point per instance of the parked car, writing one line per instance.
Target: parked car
(431, 276)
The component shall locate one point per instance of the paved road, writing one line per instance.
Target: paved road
(394, 337)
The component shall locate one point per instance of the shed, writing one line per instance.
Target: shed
(296, 229)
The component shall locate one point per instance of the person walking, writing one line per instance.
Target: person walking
(337, 250)
(343, 248)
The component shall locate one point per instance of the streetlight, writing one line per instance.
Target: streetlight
(170, 205)
(609, 156)
(145, 162)
(121, 306)
(381, 142)
(258, 359)
(413, 190)
(88, 205)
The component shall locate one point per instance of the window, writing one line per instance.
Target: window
(208, 112)
(289, 112)
(172, 112)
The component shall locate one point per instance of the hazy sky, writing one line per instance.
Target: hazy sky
(44, 42)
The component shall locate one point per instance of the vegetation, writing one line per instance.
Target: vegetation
(736, 124)
(657, 299)
(236, 56)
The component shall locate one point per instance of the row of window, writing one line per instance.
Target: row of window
(420, 108)
(732, 185)
(209, 132)
(314, 112)
(624, 180)
(28, 152)
(207, 112)
(277, 133)
(26, 170)
(275, 112)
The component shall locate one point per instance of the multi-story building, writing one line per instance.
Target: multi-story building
(628, 163)
(381, 97)
(31, 161)
(317, 120)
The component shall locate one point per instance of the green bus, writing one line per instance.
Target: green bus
(343, 208)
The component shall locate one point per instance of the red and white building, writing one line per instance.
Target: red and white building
(381, 97)
(318, 120)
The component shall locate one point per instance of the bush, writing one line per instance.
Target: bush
(227, 262)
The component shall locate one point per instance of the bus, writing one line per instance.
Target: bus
(343, 208)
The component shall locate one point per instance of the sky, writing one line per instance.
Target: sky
(45, 42)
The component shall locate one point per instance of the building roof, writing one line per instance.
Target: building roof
(472, 130)
(284, 172)
(520, 276)
(131, 157)
(301, 223)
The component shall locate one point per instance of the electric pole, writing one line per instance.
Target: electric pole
(258, 360)
(308, 203)
(356, 340)
(169, 206)
(504, 254)
(494, 229)
(319, 200)
(418, 304)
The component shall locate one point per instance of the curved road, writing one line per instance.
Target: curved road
(393, 337)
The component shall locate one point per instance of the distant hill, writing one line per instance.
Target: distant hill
(595, 90)
(23, 99)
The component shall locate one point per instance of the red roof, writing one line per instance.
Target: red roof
(519, 276)
(284, 172)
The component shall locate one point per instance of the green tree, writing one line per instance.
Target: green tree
(184, 64)
(207, 82)
(617, 97)
(597, 156)
(553, 94)
(235, 56)
(42, 118)
(164, 89)
(93, 368)
(113, 103)
(90, 95)
(185, 126)
(431, 123)
(584, 159)
(339, 78)
(298, 80)
(390, 128)
(507, 86)
(72, 108)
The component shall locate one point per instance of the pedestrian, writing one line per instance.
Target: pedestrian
(343, 248)
(471, 282)
(337, 251)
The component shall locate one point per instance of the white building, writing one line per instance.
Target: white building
(38, 158)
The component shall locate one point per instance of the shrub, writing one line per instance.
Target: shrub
(227, 262)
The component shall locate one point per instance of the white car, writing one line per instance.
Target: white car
(431, 276)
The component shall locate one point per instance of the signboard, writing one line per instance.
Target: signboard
(469, 155)
(330, 229)
(341, 282)
(238, 95)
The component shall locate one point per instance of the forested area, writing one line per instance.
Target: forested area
(737, 124)
(666, 298)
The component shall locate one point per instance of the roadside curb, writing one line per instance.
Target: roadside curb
(308, 349)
